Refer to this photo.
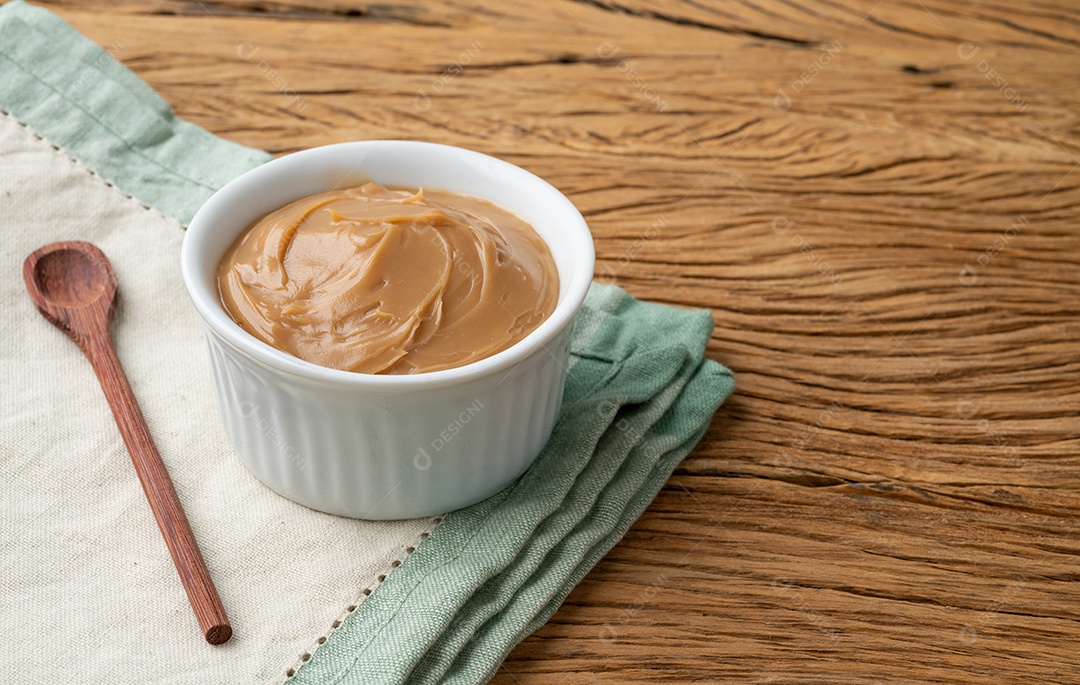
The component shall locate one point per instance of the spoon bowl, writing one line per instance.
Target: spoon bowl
(68, 276)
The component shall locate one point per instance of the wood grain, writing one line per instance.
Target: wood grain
(878, 201)
(74, 286)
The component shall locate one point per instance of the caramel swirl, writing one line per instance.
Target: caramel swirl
(389, 280)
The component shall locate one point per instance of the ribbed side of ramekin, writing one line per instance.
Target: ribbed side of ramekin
(385, 454)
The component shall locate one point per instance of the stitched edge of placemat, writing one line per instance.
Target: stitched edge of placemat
(78, 97)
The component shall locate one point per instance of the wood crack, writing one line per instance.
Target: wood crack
(685, 21)
(403, 14)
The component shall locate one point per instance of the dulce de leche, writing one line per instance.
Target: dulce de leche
(389, 280)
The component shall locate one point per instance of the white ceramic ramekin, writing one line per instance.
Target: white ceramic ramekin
(387, 447)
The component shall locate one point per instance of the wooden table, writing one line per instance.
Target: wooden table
(879, 203)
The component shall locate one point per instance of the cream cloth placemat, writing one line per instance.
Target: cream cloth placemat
(87, 583)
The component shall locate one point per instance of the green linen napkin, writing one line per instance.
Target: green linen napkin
(639, 395)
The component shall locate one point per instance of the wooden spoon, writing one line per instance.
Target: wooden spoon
(74, 286)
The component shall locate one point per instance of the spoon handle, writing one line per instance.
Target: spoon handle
(159, 488)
